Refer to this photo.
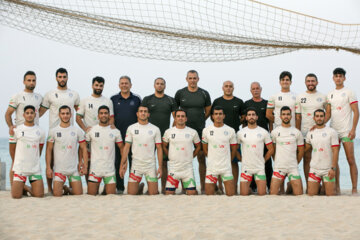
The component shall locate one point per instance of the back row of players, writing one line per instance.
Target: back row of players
(141, 124)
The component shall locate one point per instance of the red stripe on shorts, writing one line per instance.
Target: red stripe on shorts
(313, 176)
(62, 177)
(246, 177)
(22, 178)
(173, 181)
(278, 175)
(134, 177)
(212, 178)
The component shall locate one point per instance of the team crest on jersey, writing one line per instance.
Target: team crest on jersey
(36, 97)
(245, 135)
(56, 95)
(132, 103)
(211, 133)
(70, 94)
(226, 133)
(259, 135)
(293, 97)
(343, 94)
(187, 135)
(173, 135)
(319, 99)
(150, 132)
(38, 132)
(324, 134)
(292, 134)
(72, 134)
(111, 135)
(136, 131)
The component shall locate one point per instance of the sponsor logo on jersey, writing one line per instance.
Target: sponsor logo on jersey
(173, 135)
(38, 132)
(324, 134)
(132, 103)
(343, 94)
(226, 133)
(186, 135)
(259, 135)
(73, 134)
(292, 134)
(111, 135)
(211, 133)
(150, 132)
(70, 94)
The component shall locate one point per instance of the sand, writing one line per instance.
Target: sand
(180, 217)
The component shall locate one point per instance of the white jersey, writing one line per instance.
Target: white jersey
(88, 109)
(322, 140)
(181, 148)
(287, 139)
(143, 139)
(65, 148)
(280, 100)
(219, 140)
(54, 99)
(306, 105)
(341, 113)
(22, 99)
(103, 141)
(252, 147)
(27, 154)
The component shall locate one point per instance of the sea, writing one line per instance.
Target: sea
(345, 181)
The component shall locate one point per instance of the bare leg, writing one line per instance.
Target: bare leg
(164, 176)
(110, 188)
(58, 188)
(229, 187)
(235, 172)
(93, 188)
(37, 188)
(275, 186)
(133, 188)
(209, 188)
(330, 188)
(76, 188)
(297, 186)
(244, 188)
(17, 189)
(202, 169)
(153, 188)
(261, 187)
(313, 188)
(349, 152)
(307, 158)
(191, 192)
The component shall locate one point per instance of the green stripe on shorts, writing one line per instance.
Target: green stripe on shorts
(327, 179)
(110, 179)
(74, 178)
(260, 177)
(188, 183)
(35, 177)
(346, 139)
(151, 179)
(293, 177)
(227, 178)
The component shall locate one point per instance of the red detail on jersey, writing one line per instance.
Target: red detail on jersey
(41, 144)
(309, 114)
(98, 179)
(321, 149)
(300, 145)
(313, 176)
(62, 177)
(34, 146)
(183, 148)
(134, 177)
(173, 181)
(278, 175)
(22, 178)
(212, 178)
(335, 145)
(268, 143)
(69, 147)
(353, 102)
(253, 146)
(338, 108)
(119, 142)
(106, 148)
(82, 141)
(246, 177)
(233, 144)
(145, 145)
(221, 146)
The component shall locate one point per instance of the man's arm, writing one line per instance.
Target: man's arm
(270, 114)
(123, 164)
(42, 110)
(12, 150)
(300, 153)
(271, 151)
(327, 112)
(205, 148)
(197, 149)
(298, 121)
(207, 111)
(81, 124)
(120, 145)
(165, 148)
(233, 149)
(83, 164)
(308, 147)
(334, 163)
(355, 109)
(8, 119)
(48, 157)
(160, 159)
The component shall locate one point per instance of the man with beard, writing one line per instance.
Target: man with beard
(143, 138)
(87, 114)
(325, 146)
(28, 141)
(103, 140)
(160, 106)
(289, 150)
(65, 140)
(306, 104)
(54, 99)
(17, 104)
(253, 139)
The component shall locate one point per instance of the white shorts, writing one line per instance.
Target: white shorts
(73, 177)
(212, 176)
(21, 177)
(136, 175)
(316, 175)
(107, 177)
(293, 174)
(247, 174)
(187, 178)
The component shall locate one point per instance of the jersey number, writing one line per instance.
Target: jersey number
(97, 134)
(58, 134)
(90, 105)
(280, 98)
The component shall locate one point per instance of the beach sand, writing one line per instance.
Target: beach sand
(180, 217)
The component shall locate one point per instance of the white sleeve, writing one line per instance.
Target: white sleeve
(204, 138)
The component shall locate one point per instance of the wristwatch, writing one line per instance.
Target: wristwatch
(333, 168)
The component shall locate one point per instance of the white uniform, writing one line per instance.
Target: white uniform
(143, 139)
(22, 99)
(65, 142)
(321, 140)
(219, 140)
(287, 140)
(341, 113)
(54, 99)
(306, 104)
(103, 141)
(88, 109)
(280, 100)
(252, 149)
(27, 154)
(181, 148)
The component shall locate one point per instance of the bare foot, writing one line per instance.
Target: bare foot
(66, 190)
(354, 191)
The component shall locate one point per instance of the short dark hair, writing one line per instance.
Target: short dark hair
(29, 107)
(251, 109)
(180, 110)
(98, 79)
(217, 108)
(160, 79)
(141, 105)
(339, 71)
(192, 71)
(103, 107)
(285, 108)
(319, 110)
(64, 107)
(29, 73)
(125, 77)
(61, 70)
(284, 74)
(311, 75)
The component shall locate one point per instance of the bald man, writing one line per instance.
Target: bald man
(259, 104)
(233, 108)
